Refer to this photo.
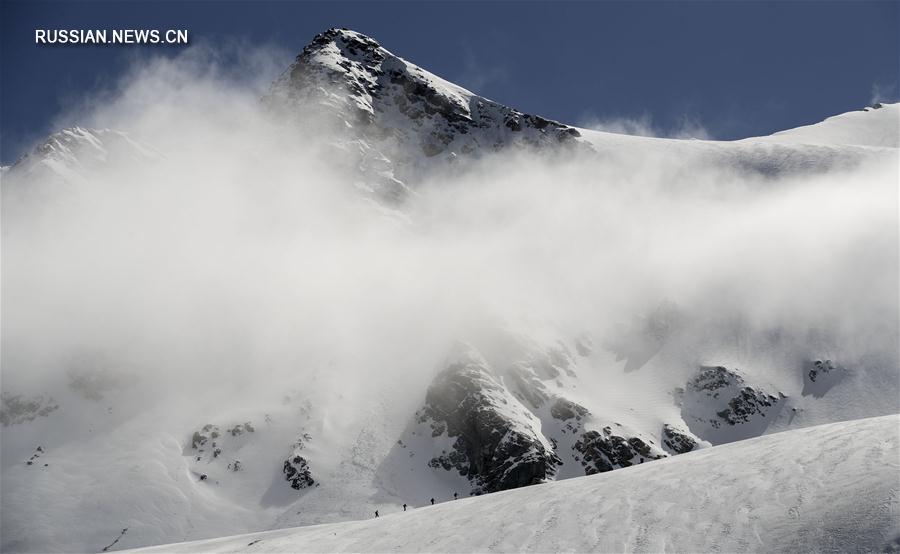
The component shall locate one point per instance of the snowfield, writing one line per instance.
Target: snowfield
(830, 488)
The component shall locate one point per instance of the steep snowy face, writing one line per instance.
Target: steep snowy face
(398, 118)
(68, 155)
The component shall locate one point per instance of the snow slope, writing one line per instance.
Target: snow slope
(843, 141)
(875, 126)
(834, 488)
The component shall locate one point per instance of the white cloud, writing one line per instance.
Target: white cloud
(643, 126)
(246, 258)
(883, 93)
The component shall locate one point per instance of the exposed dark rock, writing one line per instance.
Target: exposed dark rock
(16, 409)
(564, 410)
(296, 468)
(746, 403)
(240, 429)
(210, 444)
(496, 444)
(819, 367)
(677, 441)
(605, 451)
(718, 405)
(201, 437)
(394, 106)
(819, 376)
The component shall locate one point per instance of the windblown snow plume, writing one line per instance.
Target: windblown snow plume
(194, 255)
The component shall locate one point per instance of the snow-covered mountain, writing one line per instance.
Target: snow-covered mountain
(66, 156)
(395, 118)
(87, 464)
(825, 488)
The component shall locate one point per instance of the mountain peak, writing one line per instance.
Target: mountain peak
(386, 104)
(344, 38)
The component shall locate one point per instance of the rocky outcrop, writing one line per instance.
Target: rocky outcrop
(16, 409)
(496, 440)
(210, 443)
(819, 376)
(606, 450)
(515, 427)
(720, 406)
(565, 410)
(205, 439)
(819, 367)
(678, 440)
(296, 468)
(241, 428)
(93, 376)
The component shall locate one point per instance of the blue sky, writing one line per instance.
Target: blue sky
(729, 69)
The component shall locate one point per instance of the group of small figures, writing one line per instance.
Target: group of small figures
(455, 497)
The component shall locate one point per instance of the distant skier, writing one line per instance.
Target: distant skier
(432, 501)
(376, 513)
(455, 496)
(404, 507)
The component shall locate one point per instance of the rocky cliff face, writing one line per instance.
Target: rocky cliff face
(497, 443)
(604, 451)
(678, 440)
(296, 467)
(719, 405)
(515, 426)
(819, 376)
